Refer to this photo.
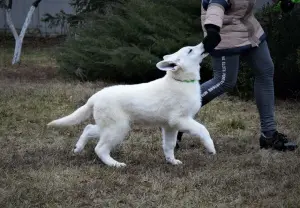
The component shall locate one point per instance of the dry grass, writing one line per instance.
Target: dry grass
(38, 168)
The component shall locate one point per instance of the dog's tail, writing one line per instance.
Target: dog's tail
(81, 114)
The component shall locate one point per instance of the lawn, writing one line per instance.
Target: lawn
(38, 168)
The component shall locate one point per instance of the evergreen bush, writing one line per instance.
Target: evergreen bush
(124, 43)
(283, 36)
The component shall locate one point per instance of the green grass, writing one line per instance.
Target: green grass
(38, 168)
(33, 53)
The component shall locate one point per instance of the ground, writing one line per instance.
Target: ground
(38, 168)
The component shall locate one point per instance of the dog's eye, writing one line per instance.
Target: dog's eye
(190, 51)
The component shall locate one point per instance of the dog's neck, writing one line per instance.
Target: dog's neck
(182, 76)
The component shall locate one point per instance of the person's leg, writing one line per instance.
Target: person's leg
(259, 59)
(261, 62)
(225, 71)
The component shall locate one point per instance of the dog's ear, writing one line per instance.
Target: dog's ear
(168, 65)
(171, 57)
(166, 57)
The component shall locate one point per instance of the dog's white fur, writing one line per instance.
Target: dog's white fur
(168, 102)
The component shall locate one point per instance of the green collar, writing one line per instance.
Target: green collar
(187, 81)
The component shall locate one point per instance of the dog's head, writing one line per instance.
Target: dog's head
(187, 59)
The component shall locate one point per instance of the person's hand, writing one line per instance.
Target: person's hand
(212, 39)
(286, 5)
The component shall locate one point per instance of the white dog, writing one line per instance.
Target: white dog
(170, 102)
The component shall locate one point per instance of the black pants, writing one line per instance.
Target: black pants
(225, 76)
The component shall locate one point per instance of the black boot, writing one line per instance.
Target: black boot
(179, 135)
(278, 141)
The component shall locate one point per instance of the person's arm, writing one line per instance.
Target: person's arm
(215, 10)
(212, 38)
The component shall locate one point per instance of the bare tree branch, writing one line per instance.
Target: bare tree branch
(10, 2)
(18, 38)
(36, 3)
(9, 19)
(11, 24)
(4, 5)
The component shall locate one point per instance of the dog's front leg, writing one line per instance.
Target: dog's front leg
(196, 129)
(169, 142)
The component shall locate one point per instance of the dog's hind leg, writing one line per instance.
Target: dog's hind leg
(110, 137)
(90, 132)
(196, 129)
(169, 142)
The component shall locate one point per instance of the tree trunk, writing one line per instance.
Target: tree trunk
(19, 39)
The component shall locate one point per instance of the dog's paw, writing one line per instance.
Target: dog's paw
(77, 149)
(213, 152)
(119, 165)
(175, 162)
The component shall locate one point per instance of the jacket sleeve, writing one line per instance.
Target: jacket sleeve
(215, 10)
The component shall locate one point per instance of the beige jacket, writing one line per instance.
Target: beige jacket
(240, 30)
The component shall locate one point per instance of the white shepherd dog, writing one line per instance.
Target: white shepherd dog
(170, 102)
